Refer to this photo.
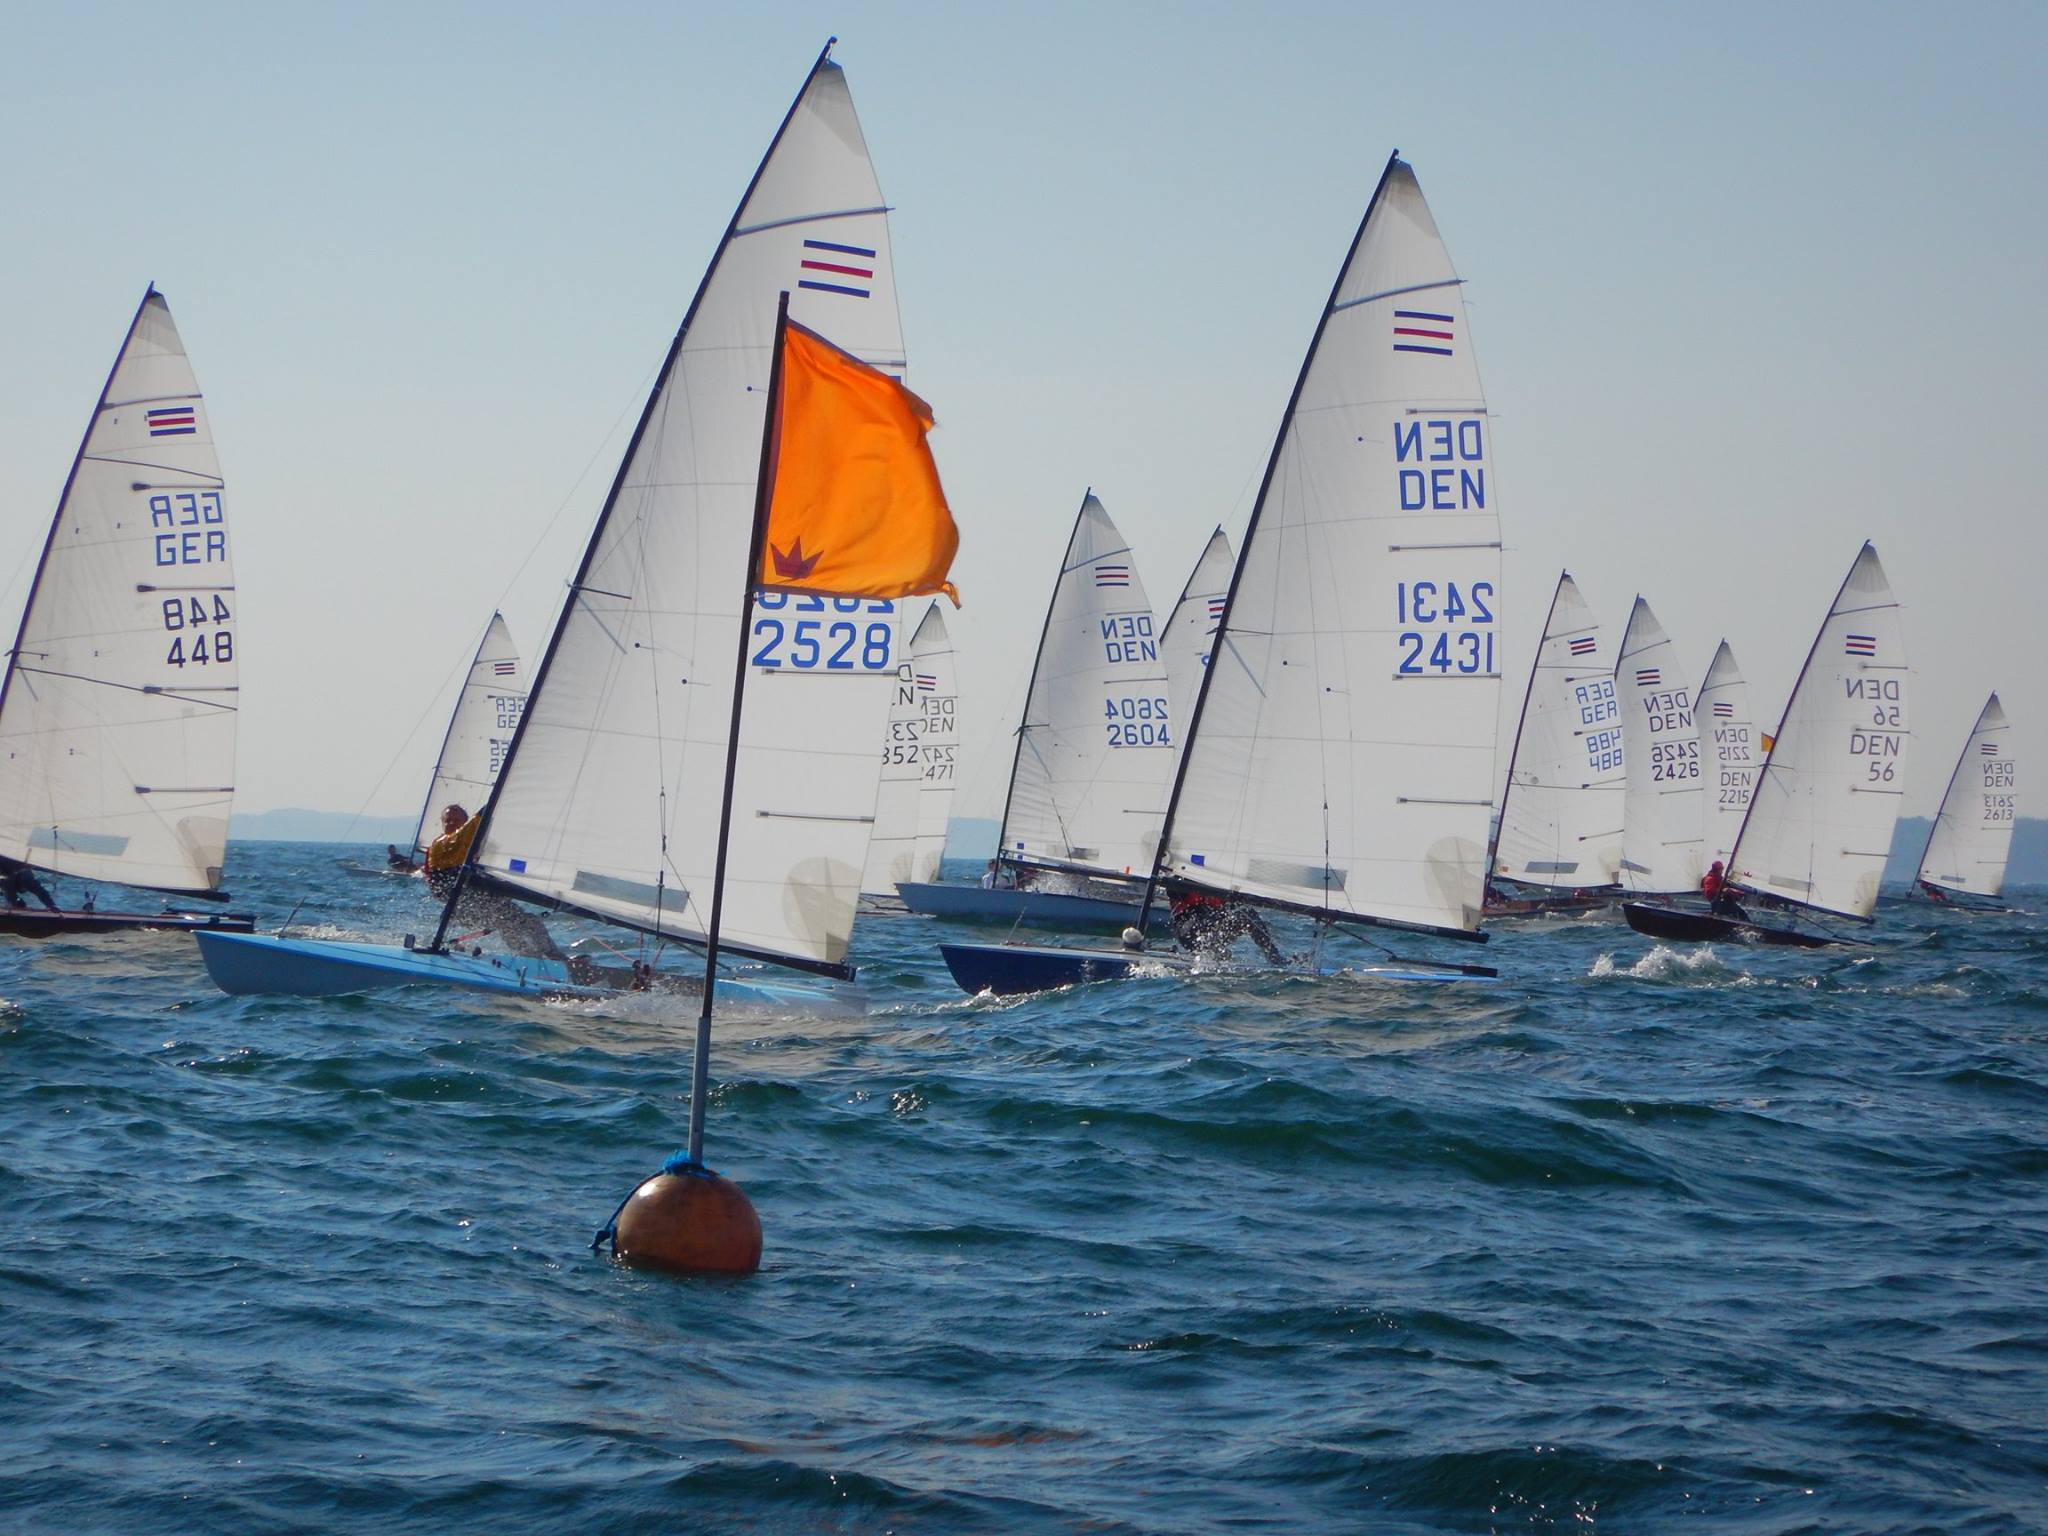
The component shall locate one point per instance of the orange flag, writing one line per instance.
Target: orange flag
(855, 506)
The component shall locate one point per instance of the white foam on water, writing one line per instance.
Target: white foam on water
(1700, 966)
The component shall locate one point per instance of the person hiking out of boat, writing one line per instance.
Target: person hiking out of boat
(19, 882)
(519, 929)
(1206, 924)
(398, 861)
(1935, 894)
(1720, 899)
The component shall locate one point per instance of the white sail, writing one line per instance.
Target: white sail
(479, 732)
(1561, 812)
(1096, 747)
(1341, 754)
(1191, 627)
(1820, 822)
(1729, 754)
(1972, 834)
(918, 750)
(937, 683)
(610, 803)
(117, 718)
(1661, 807)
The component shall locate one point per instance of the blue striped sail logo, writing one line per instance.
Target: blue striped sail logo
(1648, 677)
(1583, 645)
(1860, 645)
(1724, 711)
(173, 421)
(1423, 330)
(847, 269)
(1112, 575)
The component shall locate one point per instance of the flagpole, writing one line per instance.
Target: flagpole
(763, 490)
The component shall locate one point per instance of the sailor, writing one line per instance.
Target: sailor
(18, 882)
(446, 852)
(400, 862)
(1720, 899)
(1206, 924)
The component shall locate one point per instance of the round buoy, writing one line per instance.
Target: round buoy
(691, 1222)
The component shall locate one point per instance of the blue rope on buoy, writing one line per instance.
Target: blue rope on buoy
(678, 1166)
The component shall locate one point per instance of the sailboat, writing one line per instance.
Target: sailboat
(1095, 749)
(117, 712)
(1728, 755)
(1972, 833)
(1559, 831)
(480, 731)
(1339, 760)
(1662, 812)
(919, 749)
(608, 803)
(1820, 820)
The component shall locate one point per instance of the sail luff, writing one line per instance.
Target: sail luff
(1507, 788)
(1975, 847)
(609, 799)
(1031, 688)
(1193, 729)
(1793, 843)
(611, 500)
(119, 766)
(1335, 758)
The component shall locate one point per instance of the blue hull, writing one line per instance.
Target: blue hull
(1039, 909)
(246, 964)
(1010, 969)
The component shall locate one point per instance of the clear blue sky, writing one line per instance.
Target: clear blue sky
(1748, 283)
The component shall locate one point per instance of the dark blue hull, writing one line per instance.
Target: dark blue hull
(1011, 969)
(1037, 909)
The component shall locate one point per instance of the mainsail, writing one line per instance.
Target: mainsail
(1728, 753)
(1972, 835)
(918, 750)
(1095, 749)
(479, 732)
(117, 715)
(1340, 755)
(609, 802)
(1661, 807)
(1820, 821)
(1191, 627)
(1561, 811)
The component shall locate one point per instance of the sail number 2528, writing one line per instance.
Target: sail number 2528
(1452, 629)
(847, 634)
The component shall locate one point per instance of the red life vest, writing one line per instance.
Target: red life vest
(1710, 886)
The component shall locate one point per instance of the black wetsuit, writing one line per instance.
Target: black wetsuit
(18, 882)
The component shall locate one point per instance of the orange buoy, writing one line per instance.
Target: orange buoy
(689, 1221)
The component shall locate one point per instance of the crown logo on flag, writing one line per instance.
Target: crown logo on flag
(795, 565)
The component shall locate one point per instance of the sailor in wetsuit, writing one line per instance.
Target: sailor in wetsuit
(18, 882)
(1208, 925)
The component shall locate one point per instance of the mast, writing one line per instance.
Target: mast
(763, 493)
(1281, 439)
(1031, 688)
(57, 518)
(1764, 778)
(1500, 812)
(427, 804)
(470, 869)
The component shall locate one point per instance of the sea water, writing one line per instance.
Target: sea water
(1647, 1237)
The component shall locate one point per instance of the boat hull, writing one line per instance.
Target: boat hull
(1010, 970)
(1704, 927)
(40, 923)
(263, 964)
(1046, 909)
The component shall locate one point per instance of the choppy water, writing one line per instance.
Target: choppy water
(1646, 1238)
